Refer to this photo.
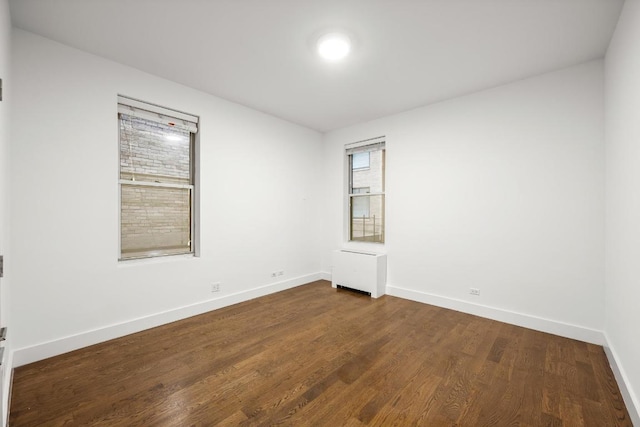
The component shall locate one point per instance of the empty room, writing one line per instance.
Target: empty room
(328, 213)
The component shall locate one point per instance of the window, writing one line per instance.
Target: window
(157, 185)
(366, 162)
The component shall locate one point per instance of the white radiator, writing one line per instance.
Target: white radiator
(363, 271)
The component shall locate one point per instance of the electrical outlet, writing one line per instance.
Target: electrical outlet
(215, 287)
(474, 291)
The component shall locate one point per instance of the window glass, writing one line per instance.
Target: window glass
(155, 221)
(361, 160)
(367, 218)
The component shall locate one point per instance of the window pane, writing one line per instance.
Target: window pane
(361, 160)
(367, 228)
(371, 177)
(360, 207)
(154, 152)
(155, 221)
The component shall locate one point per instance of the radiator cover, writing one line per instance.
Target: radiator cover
(363, 271)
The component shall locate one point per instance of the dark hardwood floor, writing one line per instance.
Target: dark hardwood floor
(317, 356)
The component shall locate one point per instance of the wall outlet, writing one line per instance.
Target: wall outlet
(215, 287)
(474, 291)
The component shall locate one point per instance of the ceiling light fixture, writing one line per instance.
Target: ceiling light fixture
(334, 46)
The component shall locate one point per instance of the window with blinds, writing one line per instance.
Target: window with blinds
(366, 190)
(157, 185)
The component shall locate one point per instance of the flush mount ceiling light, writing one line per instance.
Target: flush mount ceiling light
(334, 46)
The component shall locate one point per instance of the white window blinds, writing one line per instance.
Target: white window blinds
(365, 146)
(172, 118)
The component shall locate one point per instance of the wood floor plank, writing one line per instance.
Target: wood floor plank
(551, 395)
(572, 415)
(314, 355)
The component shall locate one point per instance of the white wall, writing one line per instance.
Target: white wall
(622, 123)
(501, 190)
(5, 47)
(259, 203)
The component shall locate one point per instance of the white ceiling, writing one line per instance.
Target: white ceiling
(259, 53)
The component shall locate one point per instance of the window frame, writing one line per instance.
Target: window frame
(193, 185)
(376, 144)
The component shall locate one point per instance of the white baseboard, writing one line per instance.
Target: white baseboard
(324, 275)
(525, 320)
(628, 395)
(26, 355)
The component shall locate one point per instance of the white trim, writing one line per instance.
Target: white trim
(525, 320)
(9, 396)
(325, 275)
(7, 385)
(195, 195)
(34, 353)
(119, 254)
(629, 397)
